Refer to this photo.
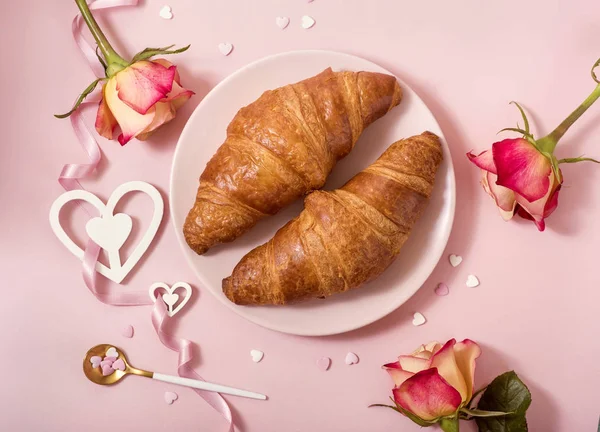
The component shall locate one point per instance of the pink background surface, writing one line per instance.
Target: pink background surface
(535, 311)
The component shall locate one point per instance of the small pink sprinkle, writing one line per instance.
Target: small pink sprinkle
(170, 397)
(119, 365)
(323, 363)
(107, 370)
(127, 331)
(442, 289)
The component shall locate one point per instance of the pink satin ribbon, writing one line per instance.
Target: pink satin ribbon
(69, 180)
(183, 347)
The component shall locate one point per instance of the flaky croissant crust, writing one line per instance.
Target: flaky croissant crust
(281, 147)
(343, 238)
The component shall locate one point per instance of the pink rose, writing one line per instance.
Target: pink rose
(520, 179)
(435, 381)
(139, 99)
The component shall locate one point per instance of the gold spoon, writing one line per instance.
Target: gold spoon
(94, 374)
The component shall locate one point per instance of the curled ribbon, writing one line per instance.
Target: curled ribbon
(69, 180)
(183, 347)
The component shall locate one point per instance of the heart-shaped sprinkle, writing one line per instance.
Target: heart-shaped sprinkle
(107, 370)
(256, 355)
(95, 361)
(170, 299)
(112, 352)
(166, 12)
(108, 361)
(472, 281)
(351, 358)
(418, 319)
(127, 331)
(119, 365)
(170, 397)
(455, 260)
(442, 289)
(282, 22)
(225, 48)
(323, 363)
(307, 22)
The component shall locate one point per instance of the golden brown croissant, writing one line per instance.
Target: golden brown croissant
(281, 147)
(342, 238)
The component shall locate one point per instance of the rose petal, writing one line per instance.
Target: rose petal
(413, 364)
(522, 168)
(484, 160)
(427, 395)
(445, 362)
(396, 373)
(163, 113)
(465, 353)
(538, 210)
(130, 121)
(143, 84)
(503, 197)
(105, 121)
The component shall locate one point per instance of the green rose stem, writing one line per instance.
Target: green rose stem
(548, 143)
(114, 61)
(449, 424)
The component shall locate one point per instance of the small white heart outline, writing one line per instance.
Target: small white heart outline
(117, 271)
(171, 290)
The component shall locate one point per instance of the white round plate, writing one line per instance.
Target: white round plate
(205, 132)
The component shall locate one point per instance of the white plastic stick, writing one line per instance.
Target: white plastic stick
(203, 385)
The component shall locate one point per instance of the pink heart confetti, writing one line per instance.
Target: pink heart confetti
(442, 289)
(324, 363)
(170, 397)
(282, 22)
(107, 370)
(95, 361)
(119, 365)
(108, 361)
(127, 331)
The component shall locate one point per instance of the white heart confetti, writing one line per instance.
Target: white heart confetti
(307, 22)
(225, 48)
(256, 355)
(351, 358)
(282, 22)
(472, 281)
(112, 352)
(455, 260)
(418, 319)
(170, 299)
(166, 12)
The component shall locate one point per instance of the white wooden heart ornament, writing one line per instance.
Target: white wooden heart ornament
(109, 230)
(170, 297)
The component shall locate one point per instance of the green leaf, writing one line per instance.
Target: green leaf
(578, 159)
(519, 130)
(474, 412)
(80, 99)
(523, 115)
(151, 52)
(507, 393)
